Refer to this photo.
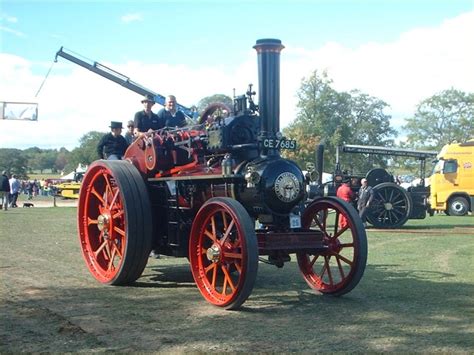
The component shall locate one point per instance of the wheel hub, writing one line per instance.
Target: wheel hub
(388, 206)
(214, 253)
(103, 222)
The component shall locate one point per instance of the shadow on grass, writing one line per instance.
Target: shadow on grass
(390, 310)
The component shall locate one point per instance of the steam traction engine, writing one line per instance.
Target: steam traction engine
(199, 192)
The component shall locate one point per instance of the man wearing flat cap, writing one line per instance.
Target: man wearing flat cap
(113, 145)
(146, 120)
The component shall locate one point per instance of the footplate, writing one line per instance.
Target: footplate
(290, 241)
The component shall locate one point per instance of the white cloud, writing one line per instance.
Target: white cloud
(75, 101)
(12, 31)
(131, 18)
(8, 18)
(420, 63)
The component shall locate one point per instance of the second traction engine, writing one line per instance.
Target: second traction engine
(220, 194)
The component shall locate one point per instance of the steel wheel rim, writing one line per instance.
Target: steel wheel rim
(218, 257)
(102, 224)
(332, 270)
(390, 208)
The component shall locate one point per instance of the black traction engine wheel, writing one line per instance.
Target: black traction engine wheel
(223, 252)
(114, 222)
(390, 207)
(339, 268)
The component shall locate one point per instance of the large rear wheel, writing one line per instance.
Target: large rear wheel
(114, 222)
(339, 268)
(223, 252)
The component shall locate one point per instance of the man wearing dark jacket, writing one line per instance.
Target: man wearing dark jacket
(146, 120)
(4, 190)
(113, 145)
(170, 116)
(366, 194)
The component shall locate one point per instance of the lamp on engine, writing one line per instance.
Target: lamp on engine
(199, 192)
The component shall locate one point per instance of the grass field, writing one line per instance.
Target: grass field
(417, 295)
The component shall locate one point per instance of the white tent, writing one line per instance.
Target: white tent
(72, 175)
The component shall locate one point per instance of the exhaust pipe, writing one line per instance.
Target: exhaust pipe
(268, 52)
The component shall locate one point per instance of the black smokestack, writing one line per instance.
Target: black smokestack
(268, 51)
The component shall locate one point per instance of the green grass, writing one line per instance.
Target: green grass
(417, 295)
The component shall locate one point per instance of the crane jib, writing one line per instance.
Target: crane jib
(118, 78)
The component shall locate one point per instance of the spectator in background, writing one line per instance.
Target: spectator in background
(170, 116)
(29, 189)
(129, 135)
(15, 187)
(365, 197)
(4, 190)
(344, 192)
(146, 120)
(112, 145)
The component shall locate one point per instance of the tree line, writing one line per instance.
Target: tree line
(323, 115)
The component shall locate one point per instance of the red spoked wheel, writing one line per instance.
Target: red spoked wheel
(339, 268)
(223, 252)
(114, 222)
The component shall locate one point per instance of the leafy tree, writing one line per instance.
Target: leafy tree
(86, 153)
(441, 119)
(13, 161)
(337, 118)
(61, 159)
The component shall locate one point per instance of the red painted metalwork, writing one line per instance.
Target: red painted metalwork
(223, 253)
(338, 268)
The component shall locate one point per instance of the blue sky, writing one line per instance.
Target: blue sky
(198, 48)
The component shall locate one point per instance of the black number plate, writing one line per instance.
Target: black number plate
(280, 143)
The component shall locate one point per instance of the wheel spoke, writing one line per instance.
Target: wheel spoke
(224, 219)
(214, 276)
(232, 255)
(227, 232)
(119, 231)
(341, 270)
(346, 245)
(118, 251)
(314, 260)
(101, 247)
(114, 198)
(228, 278)
(328, 267)
(209, 267)
(347, 261)
(111, 261)
(213, 227)
(119, 213)
(99, 197)
(339, 233)
(91, 221)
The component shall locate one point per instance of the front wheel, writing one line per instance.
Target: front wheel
(339, 268)
(223, 252)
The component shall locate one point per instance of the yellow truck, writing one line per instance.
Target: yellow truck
(452, 180)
